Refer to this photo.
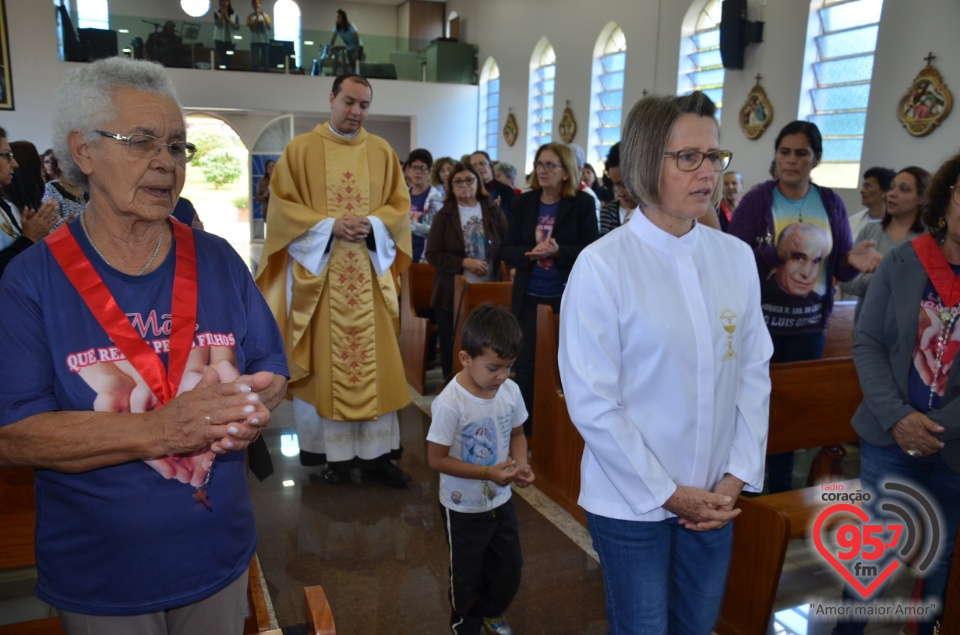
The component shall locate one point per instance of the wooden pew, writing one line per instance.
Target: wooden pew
(467, 297)
(839, 333)
(811, 404)
(416, 284)
(317, 611)
(17, 517)
(556, 447)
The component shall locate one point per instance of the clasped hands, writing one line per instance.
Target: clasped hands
(700, 510)
(354, 229)
(546, 249)
(507, 472)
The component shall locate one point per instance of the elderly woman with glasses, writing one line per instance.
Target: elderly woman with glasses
(905, 352)
(549, 227)
(465, 238)
(134, 397)
(664, 361)
(801, 240)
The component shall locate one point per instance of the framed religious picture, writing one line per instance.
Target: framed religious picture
(757, 113)
(568, 125)
(510, 129)
(926, 103)
(6, 76)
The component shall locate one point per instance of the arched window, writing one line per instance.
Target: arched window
(286, 25)
(701, 66)
(543, 73)
(489, 108)
(606, 105)
(91, 14)
(838, 83)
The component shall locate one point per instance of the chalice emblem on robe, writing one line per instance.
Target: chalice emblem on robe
(729, 321)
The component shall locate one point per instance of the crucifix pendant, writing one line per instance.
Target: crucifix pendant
(201, 497)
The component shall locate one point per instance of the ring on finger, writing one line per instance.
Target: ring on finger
(914, 453)
(208, 420)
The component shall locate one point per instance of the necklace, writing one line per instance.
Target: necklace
(156, 250)
(946, 315)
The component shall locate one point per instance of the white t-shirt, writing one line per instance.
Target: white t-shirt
(478, 431)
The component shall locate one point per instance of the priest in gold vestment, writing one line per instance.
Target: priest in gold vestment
(338, 231)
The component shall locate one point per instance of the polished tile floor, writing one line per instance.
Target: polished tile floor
(381, 556)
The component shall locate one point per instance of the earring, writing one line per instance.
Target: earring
(941, 223)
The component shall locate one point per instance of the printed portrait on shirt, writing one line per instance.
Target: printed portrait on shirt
(480, 442)
(793, 291)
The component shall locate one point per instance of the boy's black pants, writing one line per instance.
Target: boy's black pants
(485, 563)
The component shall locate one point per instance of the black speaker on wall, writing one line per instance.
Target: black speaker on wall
(736, 32)
(733, 30)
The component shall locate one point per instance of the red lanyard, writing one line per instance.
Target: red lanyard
(84, 277)
(938, 269)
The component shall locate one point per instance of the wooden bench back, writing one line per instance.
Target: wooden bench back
(467, 297)
(811, 404)
(556, 444)
(839, 334)
(416, 284)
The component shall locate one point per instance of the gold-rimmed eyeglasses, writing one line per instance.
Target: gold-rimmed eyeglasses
(146, 146)
(691, 160)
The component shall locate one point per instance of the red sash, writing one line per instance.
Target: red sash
(938, 269)
(84, 277)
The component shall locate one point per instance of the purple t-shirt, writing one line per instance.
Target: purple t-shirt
(125, 539)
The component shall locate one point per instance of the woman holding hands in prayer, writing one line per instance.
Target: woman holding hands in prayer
(141, 361)
(664, 358)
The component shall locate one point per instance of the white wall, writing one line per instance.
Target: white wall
(444, 117)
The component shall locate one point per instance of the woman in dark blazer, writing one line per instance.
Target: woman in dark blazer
(550, 225)
(464, 238)
(906, 356)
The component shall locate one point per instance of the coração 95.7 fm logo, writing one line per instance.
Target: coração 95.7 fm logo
(866, 551)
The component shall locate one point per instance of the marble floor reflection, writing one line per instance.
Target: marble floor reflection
(381, 556)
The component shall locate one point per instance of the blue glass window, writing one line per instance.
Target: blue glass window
(842, 71)
(707, 74)
(490, 109)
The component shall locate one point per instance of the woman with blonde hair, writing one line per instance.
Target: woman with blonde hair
(550, 225)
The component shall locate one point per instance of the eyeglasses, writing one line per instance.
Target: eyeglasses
(7, 155)
(419, 168)
(691, 160)
(462, 182)
(547, 165)
(146, 146)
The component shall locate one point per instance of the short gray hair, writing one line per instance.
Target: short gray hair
(507, 168)
(85, 99)
(645, 135)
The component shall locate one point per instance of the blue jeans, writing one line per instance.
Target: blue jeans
(790, 348)
(878, 465)
(659, 577)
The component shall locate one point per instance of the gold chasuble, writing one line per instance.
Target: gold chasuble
(342, 325)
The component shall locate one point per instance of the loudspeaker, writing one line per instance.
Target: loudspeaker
(96, 44)
(733, 40)
(378, 71)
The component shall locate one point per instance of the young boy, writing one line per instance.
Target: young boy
(477, 426)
